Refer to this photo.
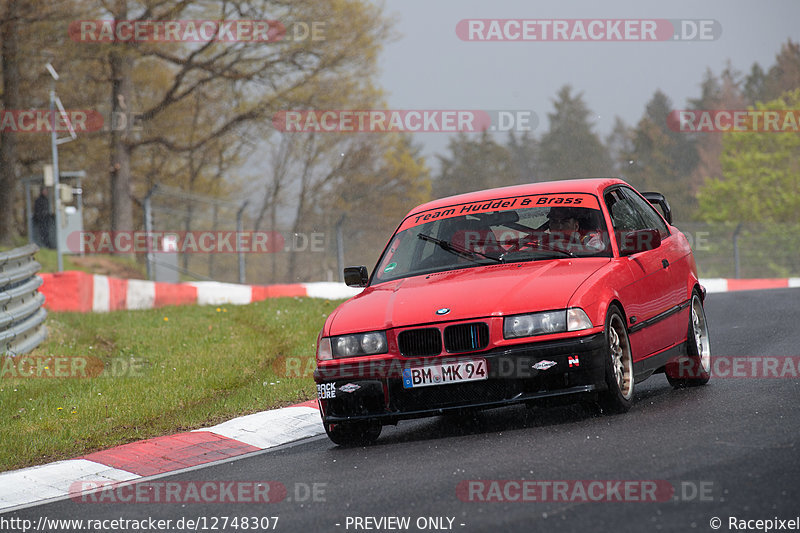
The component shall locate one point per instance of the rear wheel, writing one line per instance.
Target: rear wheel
(695, 369)
(358, 433)
(618, 365)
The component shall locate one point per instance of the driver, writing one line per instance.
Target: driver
(564, 230)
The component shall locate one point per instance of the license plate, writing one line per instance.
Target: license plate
(444, 373)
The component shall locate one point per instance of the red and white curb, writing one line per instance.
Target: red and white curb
(83, 292)
(750, 284)
(247, 434)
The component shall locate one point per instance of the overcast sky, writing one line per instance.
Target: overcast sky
(430, 67)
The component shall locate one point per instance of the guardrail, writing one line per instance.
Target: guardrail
(21, 313)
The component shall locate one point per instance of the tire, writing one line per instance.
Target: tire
(618, 366)
(695, 369)
(358, 433)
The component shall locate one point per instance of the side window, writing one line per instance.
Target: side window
(648, 213)
(623, 215)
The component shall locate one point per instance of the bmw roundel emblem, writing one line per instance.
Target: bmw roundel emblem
(443, 311)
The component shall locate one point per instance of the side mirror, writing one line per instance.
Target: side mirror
(656, 198)
(356, 276)
(633, 242)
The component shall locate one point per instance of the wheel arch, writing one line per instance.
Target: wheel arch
(605, 305)
(616, 302)
(700, 289)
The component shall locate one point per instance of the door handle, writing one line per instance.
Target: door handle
(664, 263)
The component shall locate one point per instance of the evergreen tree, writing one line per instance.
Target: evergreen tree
(570, 149)
(525, 155)
(662, 159)
(784, 75)
(474, 164)
(620, 145)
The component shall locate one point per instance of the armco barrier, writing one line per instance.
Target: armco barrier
(21, 313)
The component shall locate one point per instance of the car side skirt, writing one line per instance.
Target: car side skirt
(655, 363)
(659, 317)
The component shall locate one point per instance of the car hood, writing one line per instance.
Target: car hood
(494, 290)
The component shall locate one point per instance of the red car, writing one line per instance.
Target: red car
(578, 287)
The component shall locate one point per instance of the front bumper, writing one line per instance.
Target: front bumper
(375, 391)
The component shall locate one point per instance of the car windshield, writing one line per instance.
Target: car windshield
(505, 230)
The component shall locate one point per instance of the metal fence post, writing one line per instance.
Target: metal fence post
(239, 229)
(56, 187)
(29, 211)
(148, 228)
(340, 249)
(736, 271)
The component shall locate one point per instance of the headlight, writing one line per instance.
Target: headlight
(534, 324)
(370, 343)
(573, 319)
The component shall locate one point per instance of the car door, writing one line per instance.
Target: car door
(649, 294)
(673, 255)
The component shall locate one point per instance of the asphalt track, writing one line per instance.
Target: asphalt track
(728, 449)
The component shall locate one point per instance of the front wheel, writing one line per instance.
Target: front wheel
(695, 369)
(618, 365)
(358, 433)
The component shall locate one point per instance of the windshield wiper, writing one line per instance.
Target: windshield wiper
(458, 250)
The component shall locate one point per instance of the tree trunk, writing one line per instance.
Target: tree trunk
(8, 142)
(121, 92)
(302, 198)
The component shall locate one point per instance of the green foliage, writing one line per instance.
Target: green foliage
(760, 185)
(761, 175)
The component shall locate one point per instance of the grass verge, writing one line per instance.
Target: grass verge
(153, 372)
(105, 264)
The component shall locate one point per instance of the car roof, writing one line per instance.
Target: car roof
(584, 185)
